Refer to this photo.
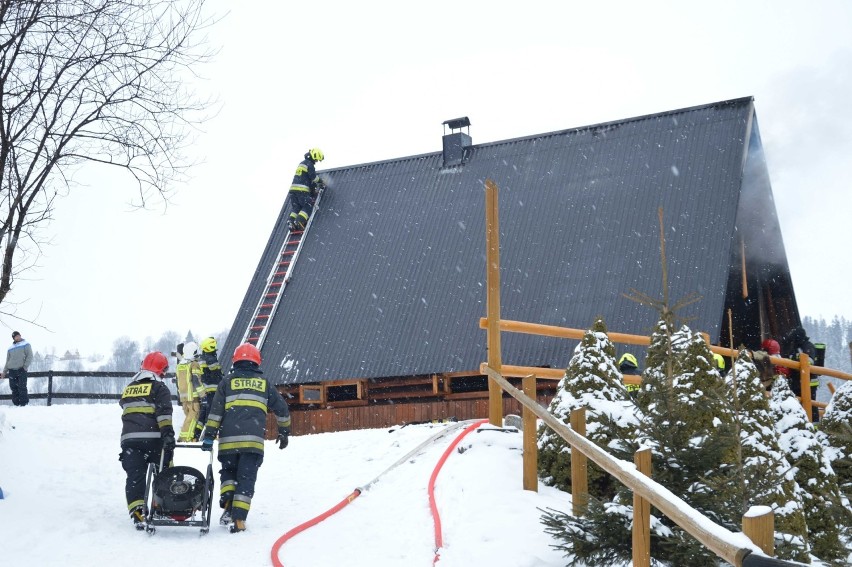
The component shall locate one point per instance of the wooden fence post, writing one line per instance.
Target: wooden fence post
(642, 514)
(579, 467)
(492, 273)
(759, 527)
(805, 383)
(49, 387)
(530, 437)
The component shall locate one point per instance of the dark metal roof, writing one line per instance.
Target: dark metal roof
(391, 279)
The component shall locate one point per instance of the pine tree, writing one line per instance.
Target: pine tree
(689, 426)
(837, 426)
(760, 478)
(592, 381)
(822, 500)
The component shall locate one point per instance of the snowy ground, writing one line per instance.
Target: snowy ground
(64, 499)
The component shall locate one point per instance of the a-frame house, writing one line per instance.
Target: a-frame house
(376, 317)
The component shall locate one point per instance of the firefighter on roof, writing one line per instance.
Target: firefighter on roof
(238, 414)
(146, 430)
(304, 188)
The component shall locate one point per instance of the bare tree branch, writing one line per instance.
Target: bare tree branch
(91, 81)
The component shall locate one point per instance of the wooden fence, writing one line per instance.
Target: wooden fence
(758, 527)
(54, 391)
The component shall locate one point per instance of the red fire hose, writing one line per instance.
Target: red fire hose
(357, 492)
(439, 538)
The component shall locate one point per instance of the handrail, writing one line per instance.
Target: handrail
(51, 394)
(708, 533)
(626, 338)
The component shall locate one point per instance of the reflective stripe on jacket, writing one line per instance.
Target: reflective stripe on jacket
(147, 412)
(211, 372)
(306, 177)
(239, 410)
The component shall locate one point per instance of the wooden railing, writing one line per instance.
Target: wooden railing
(53, 393)
(803, 365)
(719, 540)
(759, 527)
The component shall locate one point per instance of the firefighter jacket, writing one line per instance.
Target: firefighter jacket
(146, 415)
(211, 372)
(189, 381)
(239, 410)
(306, 177)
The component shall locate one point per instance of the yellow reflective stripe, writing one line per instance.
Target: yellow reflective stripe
(147, 409)
(241, 505)
(226, 488)
(240, 445)
(135, 503)
(246, 404)
(299, 188)
(164, 423)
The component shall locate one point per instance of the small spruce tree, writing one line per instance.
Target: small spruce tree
(761, 475)
(837, 426)
(592, 380)
(822, 500)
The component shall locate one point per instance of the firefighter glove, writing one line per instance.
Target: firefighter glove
(169, 442)
(207, 443)
(283, 440)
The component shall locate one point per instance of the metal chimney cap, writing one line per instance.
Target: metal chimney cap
(456, 123)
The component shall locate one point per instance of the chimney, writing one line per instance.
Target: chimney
(456, 141)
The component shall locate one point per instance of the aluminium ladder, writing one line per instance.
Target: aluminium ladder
(279, 277)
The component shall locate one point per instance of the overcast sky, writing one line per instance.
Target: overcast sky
(369, 81)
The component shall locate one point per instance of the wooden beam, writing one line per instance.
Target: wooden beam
(492, 240)
(530, 454)
(579, 466)
(642, 514)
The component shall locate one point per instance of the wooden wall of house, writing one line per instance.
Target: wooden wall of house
(307, 421)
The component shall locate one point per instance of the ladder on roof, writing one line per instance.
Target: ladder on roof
(279, 276)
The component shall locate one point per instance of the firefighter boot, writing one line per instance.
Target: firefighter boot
(138, 517)
(225, 518)
(238, 526)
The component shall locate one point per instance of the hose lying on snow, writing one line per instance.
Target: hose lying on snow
(357, 492)
(436, 517)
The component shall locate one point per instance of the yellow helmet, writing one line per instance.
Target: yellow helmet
(629, 359)
(316, 154)
(208, 344)
(720, 361)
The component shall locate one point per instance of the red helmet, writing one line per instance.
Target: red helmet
(156, 362)
(247, 351)
(771, 346)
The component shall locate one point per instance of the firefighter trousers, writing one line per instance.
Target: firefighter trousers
(237, 478)
(189, 429)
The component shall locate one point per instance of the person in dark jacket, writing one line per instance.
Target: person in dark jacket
(18, 359)
(628, 365)
(304, 188)
(147, 435)
(211, 376)
(238, 414)
(797, 342)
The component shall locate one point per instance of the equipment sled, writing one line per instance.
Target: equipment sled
(179, 496)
